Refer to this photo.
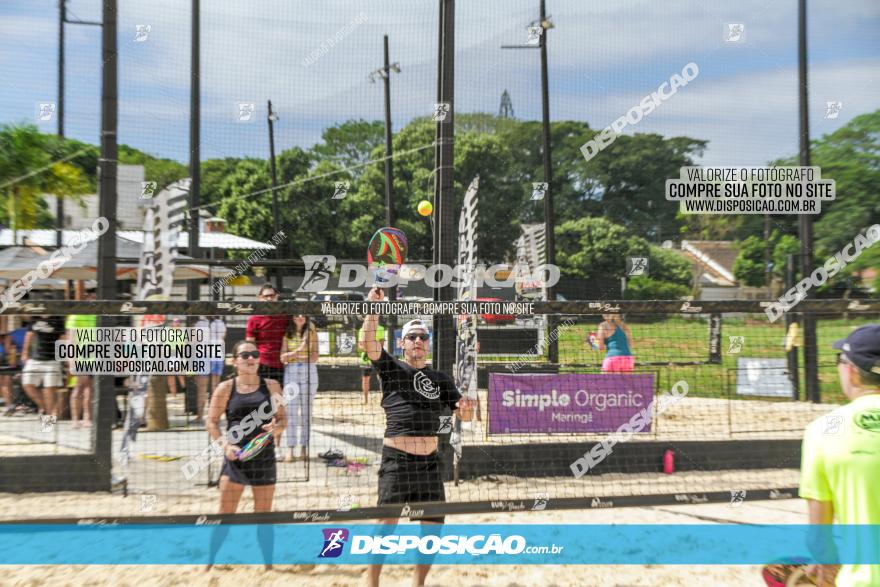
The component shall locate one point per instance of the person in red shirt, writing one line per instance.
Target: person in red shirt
(267, 332)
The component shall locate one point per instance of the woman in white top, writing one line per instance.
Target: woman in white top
(299, 353)
(205, 382)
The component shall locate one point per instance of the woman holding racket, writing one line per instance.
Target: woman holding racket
(255, 416)
(299, 353)
(615, 339)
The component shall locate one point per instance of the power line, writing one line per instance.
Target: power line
(308, 179)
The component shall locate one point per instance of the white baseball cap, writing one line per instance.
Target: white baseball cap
(414, 325)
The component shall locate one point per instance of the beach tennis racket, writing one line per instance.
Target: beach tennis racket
(788, 573)
(254, 447)
(386, 253)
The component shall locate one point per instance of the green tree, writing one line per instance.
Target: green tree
(597, 249)
(245, 213)
(214, 172)
(668, 266)
(500, 198)
(627, 182)
(27, 171)
(647, 288)
(351, 143)
(748, 267)
(594, 247)
(783, 246)
(163, 171)
(851, 157)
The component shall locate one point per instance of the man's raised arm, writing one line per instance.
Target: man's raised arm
(372, 346)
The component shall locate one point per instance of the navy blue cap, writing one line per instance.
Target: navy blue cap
(862, 348)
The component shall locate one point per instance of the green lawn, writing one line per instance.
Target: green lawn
(687, 340)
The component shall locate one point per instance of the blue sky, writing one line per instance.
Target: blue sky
(604, 57)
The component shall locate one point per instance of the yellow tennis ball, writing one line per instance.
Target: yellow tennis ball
(425, 208)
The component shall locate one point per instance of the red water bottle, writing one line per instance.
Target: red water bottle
(669, 461)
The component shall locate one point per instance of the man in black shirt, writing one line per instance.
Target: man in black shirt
(416, 400)
(43, 369)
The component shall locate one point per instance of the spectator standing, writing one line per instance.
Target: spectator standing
(300, 354)
(840, 455)
(217, 328)
(81, 396)
(43, 370)
(176, 380)
(267, 333)
(6, 359)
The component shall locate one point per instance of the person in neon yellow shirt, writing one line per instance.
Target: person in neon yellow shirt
(840, 467)
(81, 396)
(364, 361)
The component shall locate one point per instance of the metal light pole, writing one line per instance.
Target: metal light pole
(445, 235)
(62, 20)
(385, 73)
(805, 221)
(271, 118)
(390, 217)
(389, 170)
(195, 153)
(59, 206)
(549, 216)
(107, 200)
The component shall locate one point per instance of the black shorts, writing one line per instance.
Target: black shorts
(406, 479)
(367, 370)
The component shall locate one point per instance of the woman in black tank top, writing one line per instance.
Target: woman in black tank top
(252, 405)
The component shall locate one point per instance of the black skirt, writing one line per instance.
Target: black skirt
(261, 470)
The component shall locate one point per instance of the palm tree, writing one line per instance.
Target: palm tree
(27, 171)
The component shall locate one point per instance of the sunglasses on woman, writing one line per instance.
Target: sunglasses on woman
(248, 355)
(417, 336)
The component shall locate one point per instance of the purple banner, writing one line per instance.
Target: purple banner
(567, 403)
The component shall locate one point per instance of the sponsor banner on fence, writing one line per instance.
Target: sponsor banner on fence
(99, 541)
(582, 403)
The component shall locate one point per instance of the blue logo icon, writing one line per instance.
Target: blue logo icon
(334, 540)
